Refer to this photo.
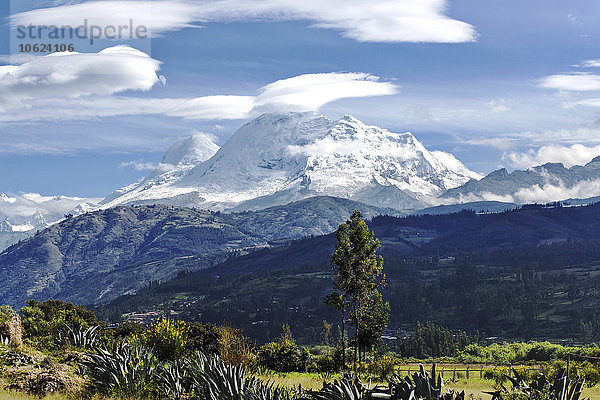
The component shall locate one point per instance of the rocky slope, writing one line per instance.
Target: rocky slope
(103, 254)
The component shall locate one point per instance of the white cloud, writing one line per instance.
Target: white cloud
(214, 107)
(300, 93)
(140, 165)
(311, 91)
(546, 193)
(20, 208)
(587, 102)
(551, 192)
(577, 154)
(498, 106)
(570, 136)
(16, 59)
(328, 146)
(71, 75)
(372, 21)
(578, 82)
(559, 138)
(500, 143)
(589, 64)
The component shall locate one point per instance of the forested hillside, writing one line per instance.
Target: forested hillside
(545, 284)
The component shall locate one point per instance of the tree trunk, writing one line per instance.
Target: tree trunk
(355, 334)
(343, 339)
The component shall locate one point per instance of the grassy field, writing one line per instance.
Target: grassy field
(473, 386)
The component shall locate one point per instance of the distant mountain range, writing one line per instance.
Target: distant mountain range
(541, 184)
(520, 274)
(103, 254)
(23, 214)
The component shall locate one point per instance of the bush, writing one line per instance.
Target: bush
(44, 323)
(234, 348)
(284, 355)
(514, 353)
(6, 313)
(127, 329)
(382, 368)
(168, 338)
(326, 363)
(577, 370)
(204, 337)
(498, 375)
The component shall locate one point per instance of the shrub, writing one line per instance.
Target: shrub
(577, 370)
(326, 363)
(168, 338)
(127, 329)
(513, 353)
(6, 313)
(382, 367)
(234, 348)
(204, 337)
(44, 322)
(284, 355)
(498, 375)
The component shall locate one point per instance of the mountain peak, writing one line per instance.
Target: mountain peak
(351, 119)
(549, 166)
(191, 150)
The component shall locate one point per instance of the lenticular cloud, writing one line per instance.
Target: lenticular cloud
(71, 75)
(364, 21)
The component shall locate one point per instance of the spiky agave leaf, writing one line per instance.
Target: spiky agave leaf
(123, 370)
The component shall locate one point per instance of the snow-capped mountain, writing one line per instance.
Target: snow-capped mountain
(279, 158)
(177, 161)
(540, 184)
(23, 214)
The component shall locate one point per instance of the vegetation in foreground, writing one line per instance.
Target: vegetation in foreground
(67, 350)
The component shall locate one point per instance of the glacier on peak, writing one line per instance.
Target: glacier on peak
(278, 158)
(191, 150)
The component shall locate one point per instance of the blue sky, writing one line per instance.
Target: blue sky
(512, 89)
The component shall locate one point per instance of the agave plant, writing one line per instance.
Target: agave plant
(267, 391)
(85, 339)
(348, 388)
(123, 370)
(342, 389)
(422, 386)
(419, 385)
(217, 380)
(173, 382)
(5, 341)
(540, 388)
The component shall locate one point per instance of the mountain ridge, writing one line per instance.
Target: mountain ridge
(100, 255)
(543, 183)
